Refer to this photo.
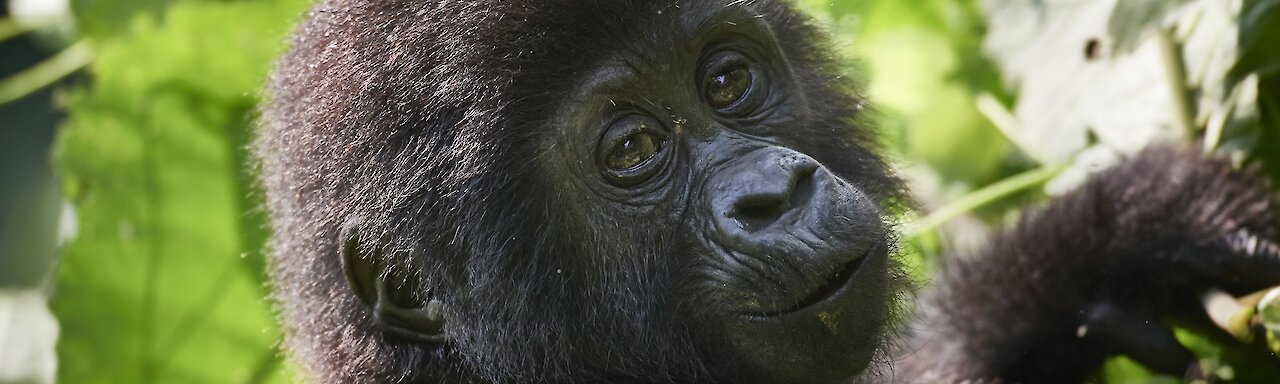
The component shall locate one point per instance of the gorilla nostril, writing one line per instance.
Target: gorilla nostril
(758, 213)
(802, 189)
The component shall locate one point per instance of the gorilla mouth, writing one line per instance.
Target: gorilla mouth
(839, 279)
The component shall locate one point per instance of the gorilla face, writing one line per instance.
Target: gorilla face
(694, 155)
(570, 191)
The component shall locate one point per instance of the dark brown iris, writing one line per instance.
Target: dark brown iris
(633, 151)
(727, 87)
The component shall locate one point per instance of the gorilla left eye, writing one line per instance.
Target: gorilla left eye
(632, 149)
(726, 88)
(730, 83)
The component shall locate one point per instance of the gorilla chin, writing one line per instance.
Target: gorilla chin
(830, 337)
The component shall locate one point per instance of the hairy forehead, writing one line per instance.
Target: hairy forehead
(644, 37)
(677, 22)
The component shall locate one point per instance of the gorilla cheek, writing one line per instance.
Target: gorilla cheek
(798, 263)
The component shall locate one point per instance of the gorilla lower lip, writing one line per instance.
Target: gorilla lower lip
(840, 278)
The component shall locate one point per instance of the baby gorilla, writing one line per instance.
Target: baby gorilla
(576, 191)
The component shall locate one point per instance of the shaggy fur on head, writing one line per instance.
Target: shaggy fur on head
(420, 124)
(423, 129)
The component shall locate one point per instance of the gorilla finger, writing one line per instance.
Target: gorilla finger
(1138, 335)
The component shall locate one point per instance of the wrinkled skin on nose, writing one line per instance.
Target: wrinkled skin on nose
(793, 225)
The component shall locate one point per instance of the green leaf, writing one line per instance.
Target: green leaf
(101, 18)
(1269, 313)
(1121, 369)
(1131, 21)
(165, 280)
(1268, 150)
(1259, 36)
(925, 69)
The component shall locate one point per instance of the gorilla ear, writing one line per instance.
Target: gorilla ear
(397, 309)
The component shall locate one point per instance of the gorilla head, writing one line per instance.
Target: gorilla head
(573, 191)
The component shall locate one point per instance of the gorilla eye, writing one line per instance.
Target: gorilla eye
(632, 149)
(731, 84)
(724, 89)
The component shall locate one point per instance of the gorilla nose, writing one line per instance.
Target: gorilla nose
(765, 189)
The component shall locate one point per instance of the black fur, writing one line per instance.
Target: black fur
(422, 126)
(1147, 234)
(419, 121)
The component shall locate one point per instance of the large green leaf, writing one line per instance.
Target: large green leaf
(925, 73)
(101, 18)
(164, 282)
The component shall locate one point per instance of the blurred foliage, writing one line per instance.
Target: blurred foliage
(939, 95)
(102, 19)
(164, 282)
(924, 66)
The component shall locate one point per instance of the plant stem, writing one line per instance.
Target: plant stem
(982, 197)
(9, 29)
(44, 73)
(1176, 77)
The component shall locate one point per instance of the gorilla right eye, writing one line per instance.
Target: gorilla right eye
(632, 149)
(731, 83)
(724, 89)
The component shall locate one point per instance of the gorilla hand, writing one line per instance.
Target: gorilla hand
(1095, 272)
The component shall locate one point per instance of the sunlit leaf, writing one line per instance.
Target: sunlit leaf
(1259, 25)
(1131, 21)
(925, 71)
(101, 18)
(164, 282)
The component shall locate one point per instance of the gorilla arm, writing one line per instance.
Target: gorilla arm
(1094, 273)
